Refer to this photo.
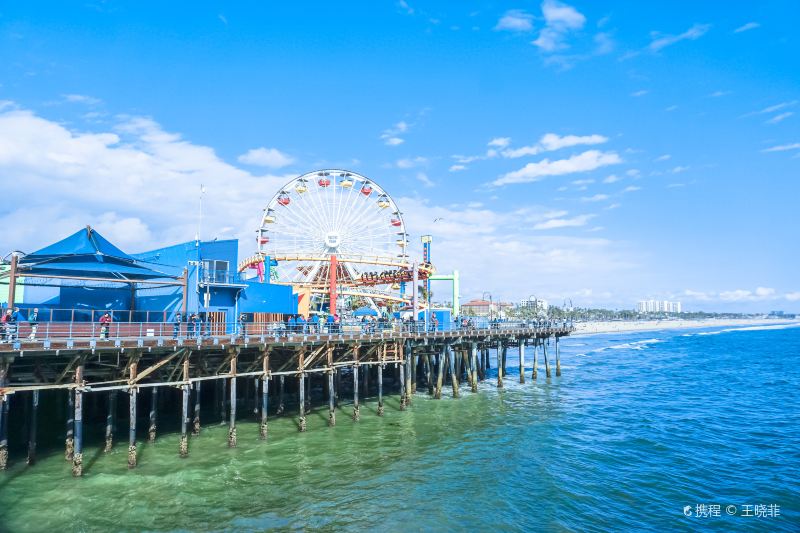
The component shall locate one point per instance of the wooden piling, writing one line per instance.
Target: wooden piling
(232, 420)
(34, 410)
(521, 348)
(4, 399)
(331, 398)
(558, 360)
(196, 421)
(77, 459)
(302, 389)
(380, 389)
(262, 430)
(133, 391)
(403, 392)
(452, 359)
(183, 447)
(412, 363)
(281, 387)
(151, 430)
(223, 401)
(406, 355)
(473, 355)
(69, 440)
(356, 415)
(500, 366)
(429, 373)
(111, 417)
(535, 370)
(440, 374)
(331, 385)
(546, 362)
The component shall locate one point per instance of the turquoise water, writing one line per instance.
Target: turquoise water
(638, 427)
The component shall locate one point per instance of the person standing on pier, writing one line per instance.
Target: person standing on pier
(243, 324)
(315, 323)
(105, 323)
(291, 323)
(9, 325)
(176, 325)
(33, 321)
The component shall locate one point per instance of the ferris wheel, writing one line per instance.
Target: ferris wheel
(335, 228)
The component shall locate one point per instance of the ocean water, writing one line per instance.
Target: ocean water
(638, 430)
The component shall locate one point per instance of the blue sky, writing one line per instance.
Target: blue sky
(600, 151)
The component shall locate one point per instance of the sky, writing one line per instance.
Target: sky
(598, 152)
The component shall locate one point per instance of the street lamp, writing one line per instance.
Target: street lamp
(483, 297)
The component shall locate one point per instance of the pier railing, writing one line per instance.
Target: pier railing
(44, 332)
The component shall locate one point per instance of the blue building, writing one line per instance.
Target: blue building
(84, 275)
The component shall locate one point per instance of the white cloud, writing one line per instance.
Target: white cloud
(583, 182)
(777, 107)
(122, 181)
(512, 249)
(457, 168)
(696, 295)
(639, 93)
(500, 142)
(611, 179)
(633, 172)
(391, 136)
(595, 198)
(717, 94)
(792, 296)
(81, 99)
(631, 188)
(604, 44)
(425, 180)
(560, 19)
(589, 160)
(764, 292)
(783, 148)
(515, 20)
(554, 223)
(266, 157)
(411, 162)
(736, 296)
(746, 27)
(664, 157)
(405, 7)
(671, 108)
(779, 118)
(660, 42)
(551, 142)
(679, 169)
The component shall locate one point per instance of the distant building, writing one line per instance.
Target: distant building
(538, 304)
(478, 308)
(659, 306)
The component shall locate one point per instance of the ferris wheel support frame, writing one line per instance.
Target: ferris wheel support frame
(332, 289)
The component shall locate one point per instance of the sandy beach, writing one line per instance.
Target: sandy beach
(590, 328)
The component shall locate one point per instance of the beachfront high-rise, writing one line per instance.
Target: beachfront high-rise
(658, 306)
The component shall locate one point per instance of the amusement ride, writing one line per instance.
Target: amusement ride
(339, 239)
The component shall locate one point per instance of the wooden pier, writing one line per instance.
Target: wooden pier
(232, 373)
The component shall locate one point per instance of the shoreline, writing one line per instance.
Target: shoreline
(595, 328)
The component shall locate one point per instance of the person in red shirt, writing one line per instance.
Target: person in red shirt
(105, 323)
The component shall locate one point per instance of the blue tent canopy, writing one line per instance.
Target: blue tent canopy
(365, 311)
(87, 254)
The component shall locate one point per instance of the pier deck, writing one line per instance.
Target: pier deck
(79, 363)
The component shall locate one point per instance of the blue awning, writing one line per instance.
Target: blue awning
(87, 254)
